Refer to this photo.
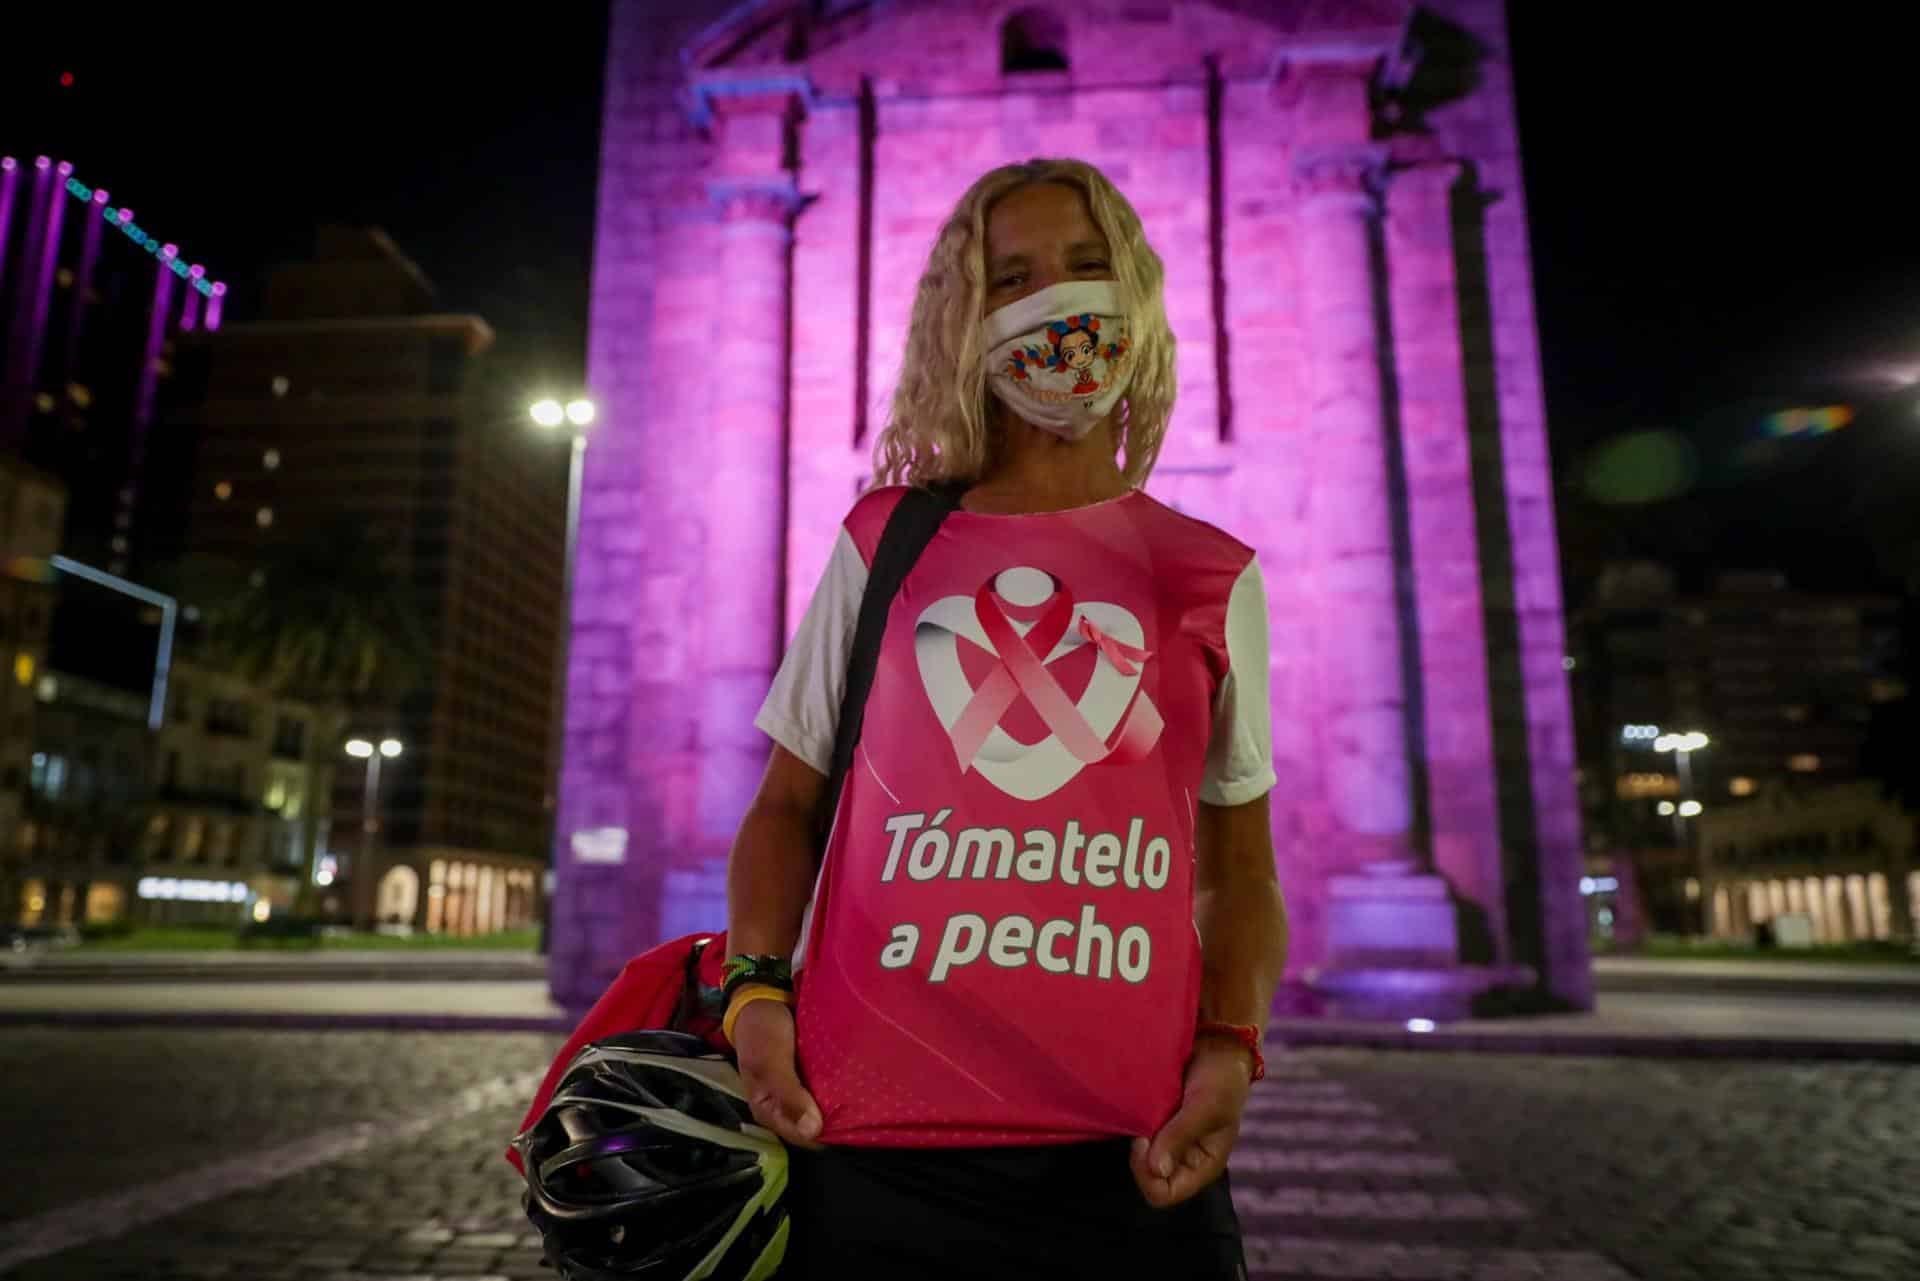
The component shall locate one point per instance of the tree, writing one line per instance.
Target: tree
(329, 619)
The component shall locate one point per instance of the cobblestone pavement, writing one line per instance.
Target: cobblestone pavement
(1352, 1163)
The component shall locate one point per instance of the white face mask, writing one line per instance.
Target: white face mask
(1060, 358)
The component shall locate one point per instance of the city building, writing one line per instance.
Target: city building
(90, 302)
(773, 177)
(31, 516)
(1839, 857)
(353, 400)
(1781, 683)
(214, 817)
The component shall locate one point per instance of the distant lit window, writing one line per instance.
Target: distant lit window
(1636, 785)
(49, 689)
(64, 276)
(281, 385)
(23, 666)
(1803, 762)
(270, 460)
(1797, 713)
(79, 395)
(1741, 787)
(43, 402)
(223, 491)
(264, 517)
(120, 543)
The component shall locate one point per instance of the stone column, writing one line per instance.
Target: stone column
(1443, 516)
(1362, 694)
(744, 442)
(1391, 935)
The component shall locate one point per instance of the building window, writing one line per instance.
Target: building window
(192, 833)
(229, 716)
(1741, 787)
(49, 776)
(1033, 40)
(446, 360)
(1803, 763)
(290, 738)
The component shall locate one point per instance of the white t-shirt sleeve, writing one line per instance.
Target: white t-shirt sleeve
(802, 710)
(1240, 750)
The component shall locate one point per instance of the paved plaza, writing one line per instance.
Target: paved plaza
(349, 1156)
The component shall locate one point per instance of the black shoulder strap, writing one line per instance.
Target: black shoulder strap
(910, 528)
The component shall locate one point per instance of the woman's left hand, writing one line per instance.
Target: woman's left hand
(1191, 1149)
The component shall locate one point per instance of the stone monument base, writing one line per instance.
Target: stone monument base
(1396, 995)
(1393, 949)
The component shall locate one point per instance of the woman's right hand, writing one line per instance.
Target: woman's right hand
(763, 1040)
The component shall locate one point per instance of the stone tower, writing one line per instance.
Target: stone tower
(1335, 186)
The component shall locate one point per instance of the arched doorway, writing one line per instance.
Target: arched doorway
(398, 896)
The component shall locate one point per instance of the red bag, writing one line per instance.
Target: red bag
(677, 985)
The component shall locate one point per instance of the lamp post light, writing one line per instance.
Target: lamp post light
(1683, 746)
(365, 750)
(576, 416)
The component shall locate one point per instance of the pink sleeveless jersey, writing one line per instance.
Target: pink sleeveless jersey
(1001, 948)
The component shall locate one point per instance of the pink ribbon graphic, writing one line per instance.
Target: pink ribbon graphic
(1022, 670)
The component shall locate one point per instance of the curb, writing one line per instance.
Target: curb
(274, 1020)
(255, 974)
(1597, 1045)
(1287, 1037)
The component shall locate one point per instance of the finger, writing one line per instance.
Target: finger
(786, 1108)
(1168, 1151)
(1195, 1174)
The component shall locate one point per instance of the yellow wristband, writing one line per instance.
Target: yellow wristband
(746, 995)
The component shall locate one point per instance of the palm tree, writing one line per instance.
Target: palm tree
(329, 619)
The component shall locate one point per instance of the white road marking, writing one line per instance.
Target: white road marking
(1345, 1257)
(1409, 1165)
(101, 1218)
(1400, 1207)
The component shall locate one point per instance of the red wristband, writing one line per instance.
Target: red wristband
(1246, 1034)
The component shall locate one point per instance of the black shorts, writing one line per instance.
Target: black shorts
(1010, 1213)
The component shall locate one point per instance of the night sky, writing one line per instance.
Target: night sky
(1722, 222)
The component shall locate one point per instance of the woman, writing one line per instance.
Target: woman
(1036, 961)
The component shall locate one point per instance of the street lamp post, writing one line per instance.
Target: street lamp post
(363, 749)
(1683, 746)
(577, 416)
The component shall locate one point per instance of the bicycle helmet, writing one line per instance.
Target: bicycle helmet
(647, 1166)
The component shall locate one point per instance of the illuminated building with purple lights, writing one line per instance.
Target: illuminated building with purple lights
(1336, 190)
(91, 301)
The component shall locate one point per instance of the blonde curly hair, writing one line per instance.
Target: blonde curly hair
(942, 424)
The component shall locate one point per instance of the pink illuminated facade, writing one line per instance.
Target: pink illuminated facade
(1336, 190)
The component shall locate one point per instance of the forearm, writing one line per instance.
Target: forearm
(769, 880)
(1243, 948)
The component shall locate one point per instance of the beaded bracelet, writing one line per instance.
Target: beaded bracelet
(1246, 1034)
(774, 971)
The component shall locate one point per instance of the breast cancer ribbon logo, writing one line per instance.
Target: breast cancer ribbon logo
(1028, 621)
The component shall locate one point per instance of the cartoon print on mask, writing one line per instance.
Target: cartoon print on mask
(1073, 347)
